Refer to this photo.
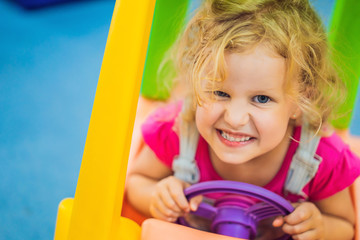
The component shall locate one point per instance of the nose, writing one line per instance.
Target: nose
(237, 115)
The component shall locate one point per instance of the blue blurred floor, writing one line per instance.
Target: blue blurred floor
(50, 61)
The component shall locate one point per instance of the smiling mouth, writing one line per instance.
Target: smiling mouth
(232, 138)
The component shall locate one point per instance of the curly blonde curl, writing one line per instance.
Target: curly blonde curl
(291, 28)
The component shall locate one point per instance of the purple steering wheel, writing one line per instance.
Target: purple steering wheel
(239, 211)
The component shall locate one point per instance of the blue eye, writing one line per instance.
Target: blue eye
(261, 99)
(221, 94)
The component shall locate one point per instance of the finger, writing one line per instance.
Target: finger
(296, 204)
(177, 193)
(278, 221)
(168, 200)
(298, 228)
(166, 211)
(300, 214)
(308, 235)
(156, 213)
(195, 202)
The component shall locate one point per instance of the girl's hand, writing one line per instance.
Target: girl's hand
(305, 222)
(168, 201)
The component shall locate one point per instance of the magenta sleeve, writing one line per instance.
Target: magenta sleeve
(158, 133)
(335, 174)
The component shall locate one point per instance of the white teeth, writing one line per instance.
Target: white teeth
(233, 139)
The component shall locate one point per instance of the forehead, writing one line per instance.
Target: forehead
(258, 66)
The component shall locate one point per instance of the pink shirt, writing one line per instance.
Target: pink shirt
(338, 169)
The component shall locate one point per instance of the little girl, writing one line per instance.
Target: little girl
(261, 87)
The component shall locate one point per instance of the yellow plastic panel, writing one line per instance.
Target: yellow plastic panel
(63, 218)
(126, 229)
(99, 193)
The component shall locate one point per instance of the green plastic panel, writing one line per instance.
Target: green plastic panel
(344, 37)
(169, 17)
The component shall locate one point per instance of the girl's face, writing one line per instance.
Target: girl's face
(250, 115)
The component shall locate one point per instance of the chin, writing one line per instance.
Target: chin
(233, 159)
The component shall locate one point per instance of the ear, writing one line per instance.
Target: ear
(296, 113)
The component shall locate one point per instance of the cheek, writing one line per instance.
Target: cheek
(272, 124)
(201, 122)
(200, 118)
(206, 116)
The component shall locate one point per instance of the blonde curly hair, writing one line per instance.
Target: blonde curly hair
(291, 28)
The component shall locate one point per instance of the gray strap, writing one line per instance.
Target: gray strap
(184, 166)
(304, 164)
